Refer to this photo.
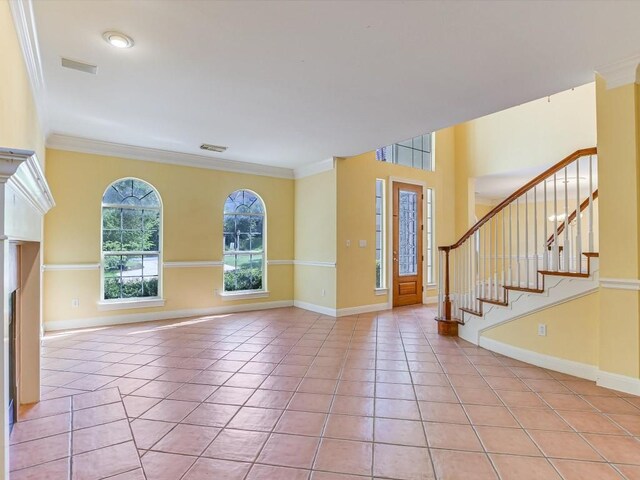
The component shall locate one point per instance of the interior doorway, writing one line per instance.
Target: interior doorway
(408, 228)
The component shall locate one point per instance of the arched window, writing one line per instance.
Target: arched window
(244, 252)
(131, 229)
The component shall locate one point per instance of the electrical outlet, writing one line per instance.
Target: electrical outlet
(348, 243)
(363, 243)
(324, 292)
(542, 330)
(75, 302)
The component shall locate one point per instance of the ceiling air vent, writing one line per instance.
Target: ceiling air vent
(80, 66)
(212, 148)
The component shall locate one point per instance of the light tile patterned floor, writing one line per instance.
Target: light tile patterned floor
(288, 394)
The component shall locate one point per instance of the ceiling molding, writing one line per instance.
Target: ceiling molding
(622, 72)
(98, 147)
(315, 168)
(30, 182)
(24, 21)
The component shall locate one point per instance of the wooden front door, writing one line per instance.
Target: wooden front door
(407, 244)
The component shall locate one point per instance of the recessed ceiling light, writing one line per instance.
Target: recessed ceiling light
(117, 39)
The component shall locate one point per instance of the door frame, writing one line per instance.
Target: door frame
(390, 200)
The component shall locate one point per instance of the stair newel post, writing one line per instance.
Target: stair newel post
(446, 303)
(440, 282)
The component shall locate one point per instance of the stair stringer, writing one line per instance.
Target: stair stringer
(558, 289)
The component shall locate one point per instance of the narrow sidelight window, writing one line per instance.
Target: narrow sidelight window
(380, 234)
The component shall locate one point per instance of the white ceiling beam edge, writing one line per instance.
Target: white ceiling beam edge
(24, 21)
(622, 72)
(98, 147)
(315, 168)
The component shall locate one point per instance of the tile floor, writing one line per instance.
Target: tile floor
(289, 394)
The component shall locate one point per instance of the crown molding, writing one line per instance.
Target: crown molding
(314, 168)
(98, 147)
(25, 25)
(621, 72)
(10, 161)
(30, 182)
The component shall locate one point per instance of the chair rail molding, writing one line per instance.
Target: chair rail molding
(620, 283)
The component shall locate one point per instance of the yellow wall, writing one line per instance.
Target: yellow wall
(356, 215)
(619, 189)
(19, 126)
(533, 134)
(315, 239)
(572, 330)
(192, 231)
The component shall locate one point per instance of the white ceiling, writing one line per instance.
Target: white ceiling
(291, 83)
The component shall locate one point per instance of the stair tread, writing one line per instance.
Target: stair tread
(564, 274)
(472, 312)
(493, 302)
(525, 289)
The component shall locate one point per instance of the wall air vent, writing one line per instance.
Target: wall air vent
(212, 148)
(80, 66)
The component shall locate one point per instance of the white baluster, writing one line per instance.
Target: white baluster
(510, 245)
(495, 259)
(556, 247)
(591, 203)
(518, 239)
(526, 237)
(578, 249)
(535, 237)
(504, 292)
(567, 254)
(545, 249)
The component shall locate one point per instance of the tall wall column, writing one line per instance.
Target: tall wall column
(618, 128)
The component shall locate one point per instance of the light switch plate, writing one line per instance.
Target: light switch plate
(542, 330)
(363, 243)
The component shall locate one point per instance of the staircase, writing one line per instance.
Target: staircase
(536, 248)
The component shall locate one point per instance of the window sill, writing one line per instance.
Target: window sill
(381, 291)
(243, 295)
(105, 305)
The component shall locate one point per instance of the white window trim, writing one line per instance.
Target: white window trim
(383, 233)
(244, 294)
(380, 291)
(141, 302)
(126, 303)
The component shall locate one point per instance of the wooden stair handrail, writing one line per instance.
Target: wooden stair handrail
(521, 191)
(572, 217)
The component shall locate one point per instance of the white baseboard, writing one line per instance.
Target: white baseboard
(618, 382)
(341, 312)
(431, 300)
(613, 381)
(577, 369)
(375, 307)
(312, 307)
(165, 315)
